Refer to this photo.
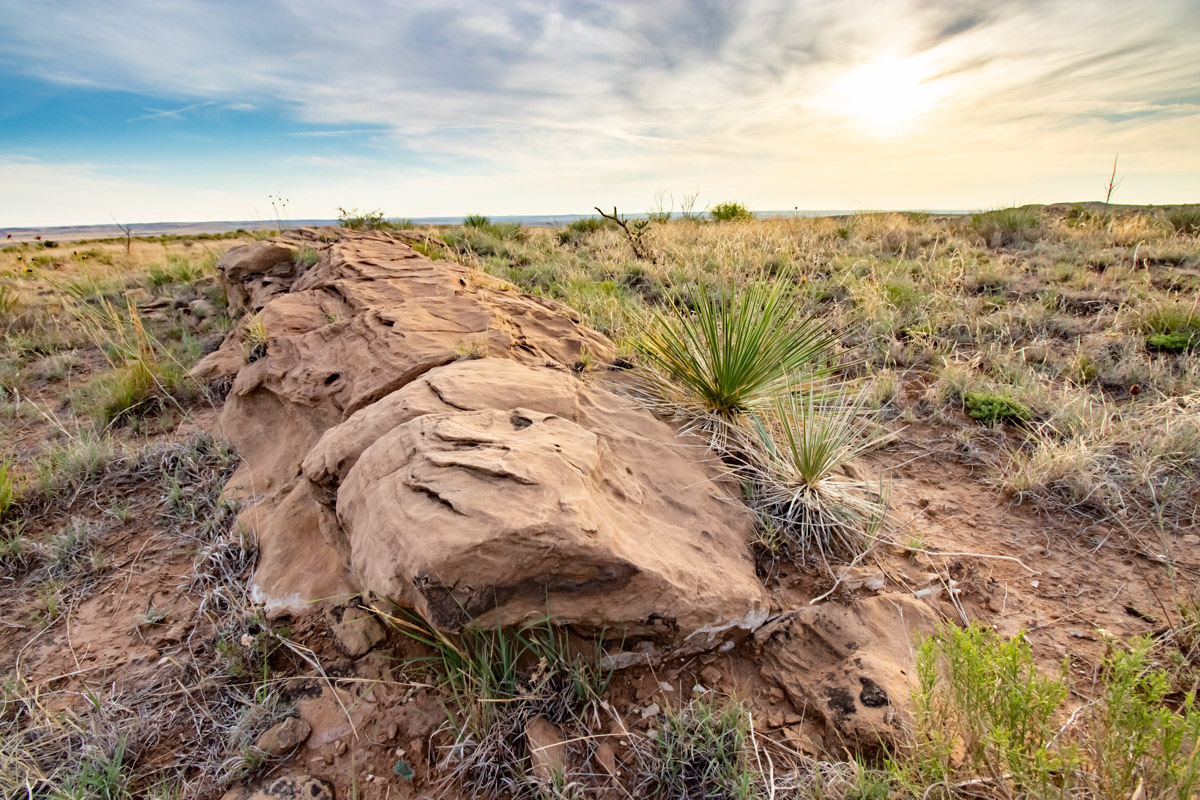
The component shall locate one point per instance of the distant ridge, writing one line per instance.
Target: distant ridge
(68, 233)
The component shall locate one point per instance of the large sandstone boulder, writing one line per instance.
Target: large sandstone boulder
(493, 489)
(498, 492)
(849, 665)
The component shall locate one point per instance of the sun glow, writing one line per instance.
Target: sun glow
(885, 97)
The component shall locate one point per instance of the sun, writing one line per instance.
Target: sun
(886, 97)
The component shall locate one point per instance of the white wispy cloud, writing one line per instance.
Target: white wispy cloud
(787, 103)
(173, 113)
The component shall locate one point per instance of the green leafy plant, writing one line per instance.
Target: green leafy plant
(476, 221)
(732, 351)
(984, 714)
(730, 212)
(992, 409)
(981, 707)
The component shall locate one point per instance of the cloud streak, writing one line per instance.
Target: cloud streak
(625, 95)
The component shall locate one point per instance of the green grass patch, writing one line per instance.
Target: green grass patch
(305, 257)
(1184, 219)
(702, 750)
(178, 269)
(1006, 227)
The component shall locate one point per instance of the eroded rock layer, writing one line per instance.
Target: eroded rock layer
(497, 488)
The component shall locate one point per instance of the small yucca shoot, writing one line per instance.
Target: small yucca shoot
(736, 348)
(796, 454)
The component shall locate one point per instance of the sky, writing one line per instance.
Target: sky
(169, 110)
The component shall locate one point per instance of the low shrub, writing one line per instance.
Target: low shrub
(992, 409)
(730, 212)
(984, 714)
(794, 456)
(1172, 342)
(355, 220)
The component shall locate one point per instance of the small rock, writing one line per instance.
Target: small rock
(666, 687)
(1190, 538)
(202, 308)
(711, 676)
(607, 757)
(358, 632)
(294, 787)
(284, 737)
(650, 710)
(871, 579)
(547, 751)
(339, 747)
(155, 304)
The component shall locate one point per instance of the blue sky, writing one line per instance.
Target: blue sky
(156, 111)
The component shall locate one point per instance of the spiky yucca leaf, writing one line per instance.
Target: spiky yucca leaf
(797, 453)
(736, 348)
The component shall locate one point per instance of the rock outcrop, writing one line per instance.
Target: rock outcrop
(378, 458)
(849, 665)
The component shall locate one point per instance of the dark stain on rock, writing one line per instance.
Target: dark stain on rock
(872, 695)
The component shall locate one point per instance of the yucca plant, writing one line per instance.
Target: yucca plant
(797, 452)
(735, 349)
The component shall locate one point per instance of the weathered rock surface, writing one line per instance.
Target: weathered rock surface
(284, 737)
(255, 273)
(293, 787)
(497, 488)
(541, 495)
(357, 632)
(852, 665)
